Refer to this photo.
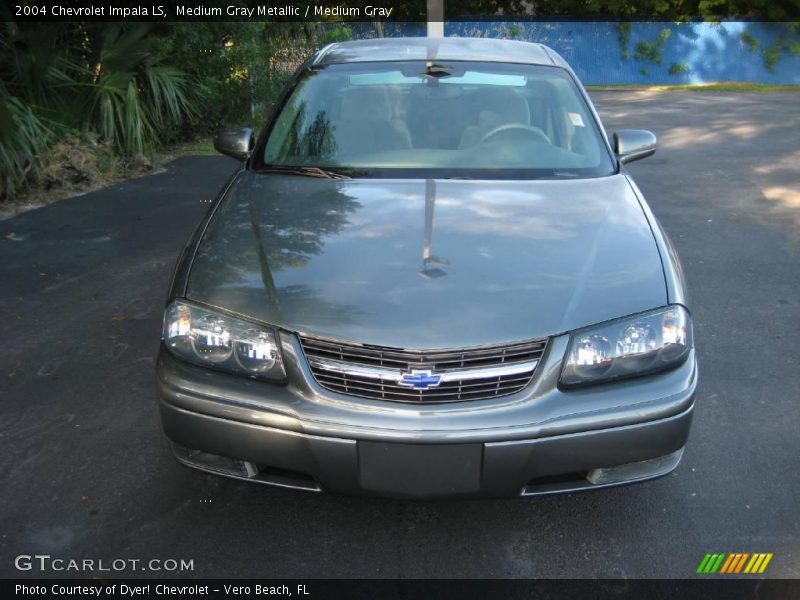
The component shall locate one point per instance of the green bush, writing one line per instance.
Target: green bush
(104, 78)
(678, 68)
(749, 41)
(624, 36)
(239, 69)
(651, 51)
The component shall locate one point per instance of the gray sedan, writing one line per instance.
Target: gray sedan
(431, 277)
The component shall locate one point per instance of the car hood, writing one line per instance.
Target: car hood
(428, 263)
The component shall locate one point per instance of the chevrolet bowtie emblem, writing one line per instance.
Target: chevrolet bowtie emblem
(420, 380)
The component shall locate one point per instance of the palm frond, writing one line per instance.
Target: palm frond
(23, 135)
(135, 95)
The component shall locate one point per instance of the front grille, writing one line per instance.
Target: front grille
(467, 374)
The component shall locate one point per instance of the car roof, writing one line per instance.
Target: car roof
(448, 48)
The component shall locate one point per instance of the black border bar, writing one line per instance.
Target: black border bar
(729, 588)
(397, 10)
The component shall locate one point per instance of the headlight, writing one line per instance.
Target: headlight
(212, 339)
(646, 343)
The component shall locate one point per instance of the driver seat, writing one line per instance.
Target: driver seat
(495, 106)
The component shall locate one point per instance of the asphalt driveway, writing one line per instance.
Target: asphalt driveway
(86, 473)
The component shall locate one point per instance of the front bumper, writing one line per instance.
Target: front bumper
(541, 440)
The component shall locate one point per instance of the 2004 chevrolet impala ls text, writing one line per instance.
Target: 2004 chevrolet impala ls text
(431, 277)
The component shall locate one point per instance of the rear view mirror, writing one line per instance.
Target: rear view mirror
(236, 143)
(633, 144)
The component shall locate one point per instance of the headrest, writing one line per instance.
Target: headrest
(506, 102)
(366, 103)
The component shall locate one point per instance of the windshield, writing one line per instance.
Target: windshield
(454, 119)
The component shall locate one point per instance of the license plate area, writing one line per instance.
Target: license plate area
(417, 470)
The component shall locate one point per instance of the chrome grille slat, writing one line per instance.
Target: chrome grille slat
(489, 390)
(374, 367)
(443, 388)
(432, 360)
(415, 354)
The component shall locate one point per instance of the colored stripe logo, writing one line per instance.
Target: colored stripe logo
(734, 562)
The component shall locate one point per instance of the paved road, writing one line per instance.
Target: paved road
(86, 472)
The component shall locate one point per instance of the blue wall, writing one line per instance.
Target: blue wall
(712, 52)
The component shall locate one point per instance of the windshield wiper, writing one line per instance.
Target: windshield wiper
(307, 171)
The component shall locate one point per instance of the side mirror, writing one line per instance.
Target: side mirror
(633, 144)
(236, 143)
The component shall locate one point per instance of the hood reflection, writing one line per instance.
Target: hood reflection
(251, 239)
(430, 263)
(500, 261)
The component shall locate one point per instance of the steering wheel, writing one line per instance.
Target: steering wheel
(529, 129)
